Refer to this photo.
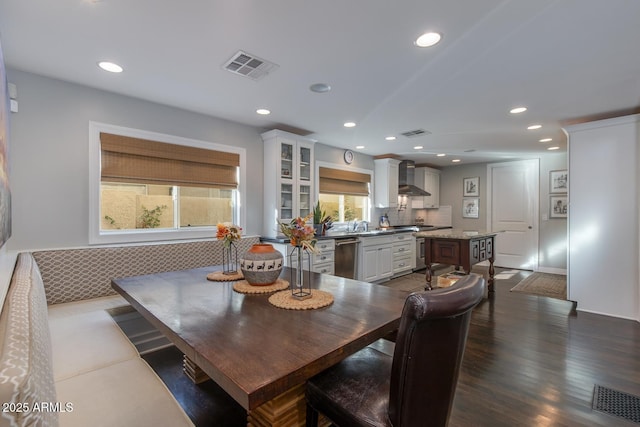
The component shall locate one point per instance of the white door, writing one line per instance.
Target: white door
(513, 211)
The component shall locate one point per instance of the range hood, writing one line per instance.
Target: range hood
(405, 180)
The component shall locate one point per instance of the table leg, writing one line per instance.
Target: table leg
(193, 371)
(429, 276)
(491, 273)
(286, 410)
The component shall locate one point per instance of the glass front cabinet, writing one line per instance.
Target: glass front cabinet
(288, 179)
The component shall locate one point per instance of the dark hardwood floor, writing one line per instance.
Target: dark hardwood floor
(529, 361)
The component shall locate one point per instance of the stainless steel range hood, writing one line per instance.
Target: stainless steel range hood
(406, 178)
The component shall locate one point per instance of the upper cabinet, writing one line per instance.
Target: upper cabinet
(386, 183)
(429, 180)
(288, 179)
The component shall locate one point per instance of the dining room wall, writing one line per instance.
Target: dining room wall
(49, 155)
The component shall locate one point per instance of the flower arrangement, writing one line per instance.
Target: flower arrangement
(299, 233)
(228, 232)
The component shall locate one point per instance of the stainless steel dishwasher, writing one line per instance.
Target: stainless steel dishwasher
(346, 256)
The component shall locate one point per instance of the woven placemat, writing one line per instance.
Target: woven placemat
(245, 287)
(318, 299)
(219, 276)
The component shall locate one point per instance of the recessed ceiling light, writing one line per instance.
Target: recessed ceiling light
(359, 147)
(263, 111)
(546, 140)
(428, 39)
(390, 138)
(110, 67)
(534, 127)
(553, 148)
(349, 125)
(320, 88)
(418, 147)
(518, 110)
(455, 161)
(441, 155)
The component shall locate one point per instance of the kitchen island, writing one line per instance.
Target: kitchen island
(459, 248)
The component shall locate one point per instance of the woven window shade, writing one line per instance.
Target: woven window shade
(126, 159)
(336, 181)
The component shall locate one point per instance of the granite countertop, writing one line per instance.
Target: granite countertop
(340, 235)
(456, 234)
(371, 233)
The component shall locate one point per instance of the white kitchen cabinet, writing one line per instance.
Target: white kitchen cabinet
(404, 253)
(429, 180)
(386, 183)
(322, 261)
(288, 179)
(375, 260)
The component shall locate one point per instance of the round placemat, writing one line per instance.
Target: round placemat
(219, 276)
(318, 299)
(245, 287)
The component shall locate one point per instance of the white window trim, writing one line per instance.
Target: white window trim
(369, 172)
(133, 236)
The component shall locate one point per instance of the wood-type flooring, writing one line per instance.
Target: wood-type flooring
(529, 361)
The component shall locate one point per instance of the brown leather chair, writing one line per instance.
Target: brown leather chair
(416, 386)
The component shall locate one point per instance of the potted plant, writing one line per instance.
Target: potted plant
(321, 221)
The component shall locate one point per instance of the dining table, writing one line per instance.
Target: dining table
(260, 354)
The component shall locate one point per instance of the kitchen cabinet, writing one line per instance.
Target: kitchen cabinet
(323, 261)
(386, 183)
(429, 180)
(404, 253)
(288, 179)
(375, 261)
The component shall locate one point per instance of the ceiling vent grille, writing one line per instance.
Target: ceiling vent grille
(414, 133)
(248, 65)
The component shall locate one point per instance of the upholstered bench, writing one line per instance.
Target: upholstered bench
(60, 347)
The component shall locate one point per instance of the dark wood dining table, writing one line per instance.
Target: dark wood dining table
(260, 354)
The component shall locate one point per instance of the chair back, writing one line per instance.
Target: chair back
(428, 352)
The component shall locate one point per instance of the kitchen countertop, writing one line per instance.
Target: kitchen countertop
(456, 234)
(371, 233)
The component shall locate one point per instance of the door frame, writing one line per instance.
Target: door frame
(535, 184)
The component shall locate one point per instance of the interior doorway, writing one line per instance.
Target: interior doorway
(513, 205)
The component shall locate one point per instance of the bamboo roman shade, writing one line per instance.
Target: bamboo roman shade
(337, 181)
(127, 159)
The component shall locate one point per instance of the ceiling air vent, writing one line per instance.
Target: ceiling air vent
(416, 132)
(248, 65)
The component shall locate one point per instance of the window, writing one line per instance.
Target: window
(152, 187)
(344, 194)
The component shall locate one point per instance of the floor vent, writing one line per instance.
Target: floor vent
(414, 133)
(616, 403)
(248, 65)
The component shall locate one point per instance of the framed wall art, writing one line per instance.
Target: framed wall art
(471, 186)
(470, 208)
(558, 181)
(559, 206)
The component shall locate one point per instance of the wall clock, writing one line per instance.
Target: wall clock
(348, 156)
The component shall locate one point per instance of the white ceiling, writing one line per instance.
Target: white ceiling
(563, 59)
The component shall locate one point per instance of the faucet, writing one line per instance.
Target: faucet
(357, 225)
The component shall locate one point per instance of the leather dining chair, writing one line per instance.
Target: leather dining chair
(417, 385)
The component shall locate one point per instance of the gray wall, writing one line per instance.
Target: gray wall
(552, 232)
(50, 155)
(329, 154)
